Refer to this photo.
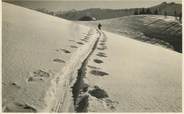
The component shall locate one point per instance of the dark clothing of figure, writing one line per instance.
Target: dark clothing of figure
(99, 26)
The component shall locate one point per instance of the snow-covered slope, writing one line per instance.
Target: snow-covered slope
(137, 77)
(40, 53)
(154, 29)
(44, 55)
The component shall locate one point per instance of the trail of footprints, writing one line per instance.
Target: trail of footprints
(101, 47)
(86, 90)
(67, 51)
(75, 45)
(42, 75)
(97, 91)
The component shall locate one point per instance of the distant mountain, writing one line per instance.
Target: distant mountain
(171, 9)
(97, 13)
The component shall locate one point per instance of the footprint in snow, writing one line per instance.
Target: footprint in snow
(65, 51)
(59, 60)
(80, 43)
(98, 61)
(102, 48)
(72, 46)
(19, 107)
(100, 54)
(38, 75)
(98, 93)
(98, 73)
(93, 67)
(84, 40)
(72, 40)
(15, 84)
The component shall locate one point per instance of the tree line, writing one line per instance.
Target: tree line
(103, 14)
(148, 11)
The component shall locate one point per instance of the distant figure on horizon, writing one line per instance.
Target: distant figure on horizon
(99, 26)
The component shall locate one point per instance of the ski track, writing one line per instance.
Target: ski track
(59, 97)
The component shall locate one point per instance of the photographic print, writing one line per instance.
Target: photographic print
(110, 56)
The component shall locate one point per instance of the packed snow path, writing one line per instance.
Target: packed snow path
(65, 99)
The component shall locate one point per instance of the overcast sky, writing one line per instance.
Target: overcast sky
(85, 4)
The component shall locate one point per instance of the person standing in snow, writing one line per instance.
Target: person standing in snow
(99, 26)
